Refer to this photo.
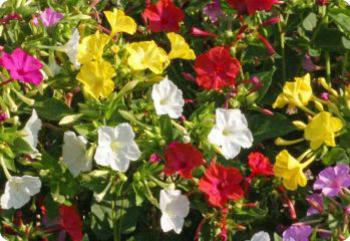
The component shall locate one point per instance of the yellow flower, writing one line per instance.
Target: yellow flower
(147, 55)
(322, 129)
(290, 170)
(91, 47)
(295, 94)
(97, 78)
(179, 48)
(120, 22)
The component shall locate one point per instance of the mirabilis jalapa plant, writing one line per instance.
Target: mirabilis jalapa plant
(174, 119)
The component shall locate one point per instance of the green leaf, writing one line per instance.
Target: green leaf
(336, 155)
(52, 109)
(310, 22)
(329, 39)
(341, 17)
(22, 147)
(266, 80)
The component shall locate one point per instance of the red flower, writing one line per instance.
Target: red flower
(216, 69)
(251, 6)
(259, 164)
(182, 159)
(221, 184)
(163, 16)
(71, 222)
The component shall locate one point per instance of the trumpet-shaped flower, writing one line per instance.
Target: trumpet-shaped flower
(31, 130)
(332, 180)
(91, 47)
(71, 48)
(147, 55)
(120, 22)
(18, 191)
(74, 153)
(261, 236)
(175, 208)
(116, 147)
(167, 99)
(297, 233)
(295, 94)
(322, 130)
(96, 77)
(22, 66)
(1, 237)
(49, 17)
(251, 6)
(290, 170)
(179, 48)
(71, 222)
(230, 132)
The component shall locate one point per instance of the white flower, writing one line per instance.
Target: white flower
(348, 2)
(18, 191)
(230, 132)
(71, 48)
(261, 236)
(175, 207)
(74, 153)
(167, 99)
(31, 130)
(116, 147)
(1, 3)
(2, 238)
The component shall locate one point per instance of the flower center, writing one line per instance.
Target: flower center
(227, 132)
(163, 101)
(116, 145)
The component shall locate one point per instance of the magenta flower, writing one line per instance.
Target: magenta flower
(317, 204)
(3, 116)
(213, 11)
(332, 180)
(48, 17)
(297, 233)
(22, 66)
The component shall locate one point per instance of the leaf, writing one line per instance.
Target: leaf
(346, 42)
(336, 155)
(52, 109)
(310, 22)
(21, 146)
(329, 38)
(266, 80)
(341, 17)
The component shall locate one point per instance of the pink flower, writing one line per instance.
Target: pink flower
(48, 17)
(22, 66)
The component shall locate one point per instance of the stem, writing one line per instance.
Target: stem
(283, 51)
(117, 232)
(6, 82)
(328, 66)
(6, 171)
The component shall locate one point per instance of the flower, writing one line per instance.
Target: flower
(31, 130)
(120, 22)
(213, 11)
(230, 132)
(18, 191)
(22, 66)
(297, 233)
(251, 6)
(322, 130)
(97, 78)
(174, 207)
(290, 170)
(221, 184)
(147, 55)
(91, 47)
(182, 159)
(167, 99)
(261, 236)
(216, 69)
(332, 180)
(71, 48)
(179, 48)
(2, 3)
(49, 17)
(71, 222)
(1, 237)
(317, 200)
(3, 116)
(163, 16)
(116, 147)
(259, 164)
(295, 94)
(74, 153)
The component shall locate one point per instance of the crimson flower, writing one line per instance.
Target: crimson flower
(216, 69)
(221, 184)
(22, 66)
(182, 158)
(251, 6)
(163, 16)
(259, 164)
(70, 221)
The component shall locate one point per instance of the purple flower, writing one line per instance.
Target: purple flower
(48, 17)
(297, 233)
(317, 201)
(22, 66)
(213, 10)
(3, 116)
(332, 180)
